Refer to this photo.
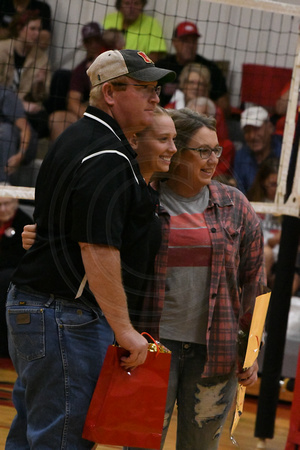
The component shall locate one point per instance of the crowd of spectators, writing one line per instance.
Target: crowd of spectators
(54, 100)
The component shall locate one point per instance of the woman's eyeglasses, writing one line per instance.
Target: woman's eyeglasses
(205, 152)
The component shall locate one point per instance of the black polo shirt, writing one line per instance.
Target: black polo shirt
(90, 189)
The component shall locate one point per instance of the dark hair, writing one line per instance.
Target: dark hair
(187, 122)
(257, 192)
(118, 4)
(21, 20)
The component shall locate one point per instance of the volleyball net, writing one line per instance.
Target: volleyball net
(238, 35)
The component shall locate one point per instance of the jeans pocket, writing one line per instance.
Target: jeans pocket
(79, 316)
(27, 329)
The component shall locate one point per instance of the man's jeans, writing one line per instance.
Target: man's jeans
(203, 403)
(57, 347)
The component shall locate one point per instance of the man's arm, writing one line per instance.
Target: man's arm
(103, 269)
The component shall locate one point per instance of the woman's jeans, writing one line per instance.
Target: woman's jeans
(203, 403)
(57, 347)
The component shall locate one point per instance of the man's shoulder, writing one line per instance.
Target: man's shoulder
(102, 125)
(81, 139)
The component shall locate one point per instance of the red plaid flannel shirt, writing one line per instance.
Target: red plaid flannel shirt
(150, 314)
(237, 259)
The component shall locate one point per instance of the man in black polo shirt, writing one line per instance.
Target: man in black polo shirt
(96, 216)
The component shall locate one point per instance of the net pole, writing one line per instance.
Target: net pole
(278, 316)
(288, 136)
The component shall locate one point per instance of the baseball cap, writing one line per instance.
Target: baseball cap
(255, 116)
(91, 29)
(186, 29)
(132, 63)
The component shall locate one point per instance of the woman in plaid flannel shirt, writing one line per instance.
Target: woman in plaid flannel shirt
(215, 248)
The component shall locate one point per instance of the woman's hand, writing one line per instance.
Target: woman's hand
(249, 376)
(28, 236)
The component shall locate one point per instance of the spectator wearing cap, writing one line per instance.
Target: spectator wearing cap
(260, 144)
(96, 221)
(9, 8)
(141, 31)
(79, 85)
(185, 41)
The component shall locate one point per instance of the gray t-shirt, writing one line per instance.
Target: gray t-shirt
(185, 311)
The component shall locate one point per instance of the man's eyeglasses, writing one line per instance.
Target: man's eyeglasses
(205, 152)
(147, 88)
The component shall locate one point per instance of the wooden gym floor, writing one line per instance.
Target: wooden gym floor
(244, 434)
